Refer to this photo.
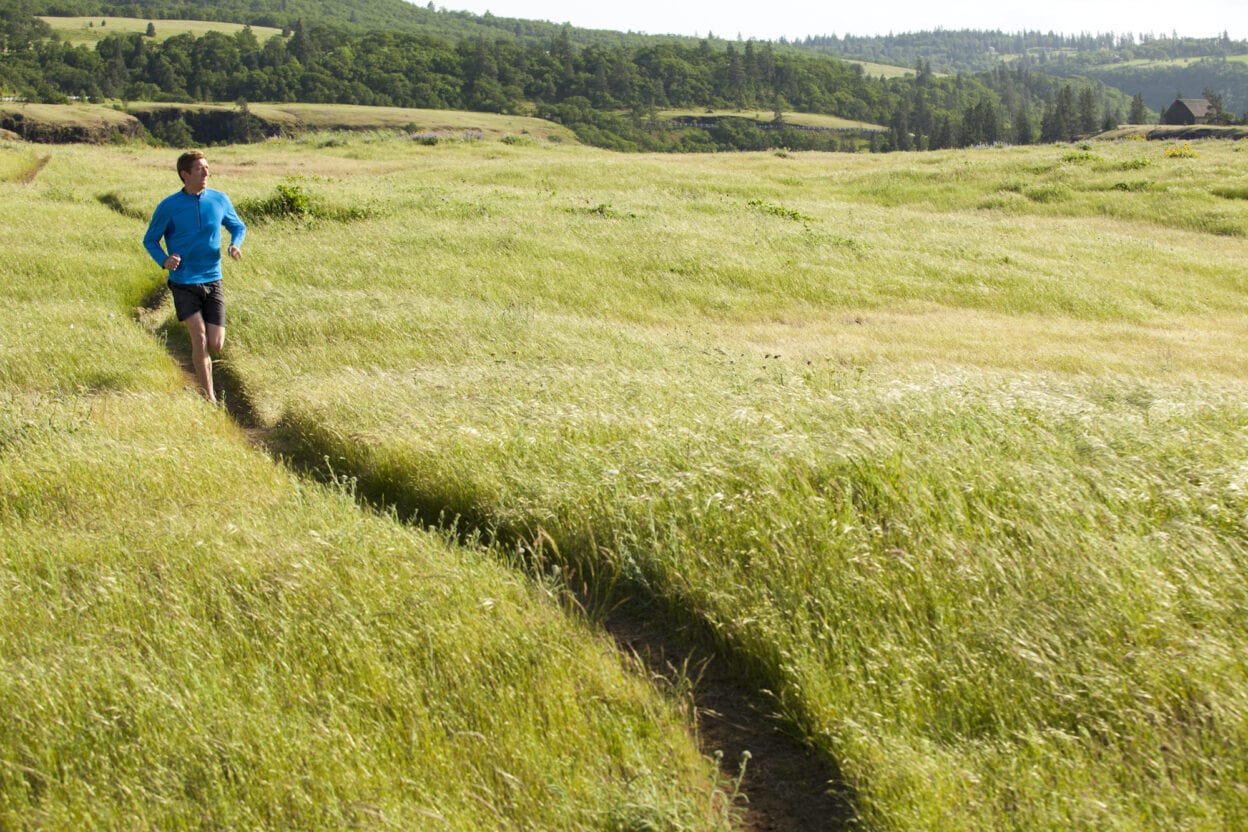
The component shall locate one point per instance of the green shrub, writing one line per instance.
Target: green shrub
(779, 211)
(289, 201)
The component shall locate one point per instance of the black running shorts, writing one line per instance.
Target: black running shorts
(205, 298)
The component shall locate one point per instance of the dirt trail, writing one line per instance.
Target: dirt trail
(786, 787)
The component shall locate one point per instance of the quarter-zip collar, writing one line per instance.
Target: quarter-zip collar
(199, 212)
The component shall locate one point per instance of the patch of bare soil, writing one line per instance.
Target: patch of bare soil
(27, 176)
(786, 786)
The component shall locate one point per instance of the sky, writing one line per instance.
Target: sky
(772, 19)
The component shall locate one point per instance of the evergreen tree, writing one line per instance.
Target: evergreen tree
(1138, 113)
(899, 131)
(1022, 127)
(1065, 118)
(1087, 111)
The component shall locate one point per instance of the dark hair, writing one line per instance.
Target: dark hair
(187, 159)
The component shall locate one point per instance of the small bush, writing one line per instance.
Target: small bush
(1135, 164)
(779, 211)
(519, 141)
(289, 201)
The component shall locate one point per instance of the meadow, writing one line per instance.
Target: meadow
(946, 452)
(299, 118)
(803, 119)
(192, 636)
(91, 30)
(884, 70)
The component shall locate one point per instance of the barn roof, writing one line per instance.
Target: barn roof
(1199, 107)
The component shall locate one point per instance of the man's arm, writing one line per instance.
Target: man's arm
(155, 232)
(236, 227)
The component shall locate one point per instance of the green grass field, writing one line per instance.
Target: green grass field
(302, 118)
(89, 30)
(61, 114)
(946, 451)
(883, 70)
(806, 119)
(192, 636)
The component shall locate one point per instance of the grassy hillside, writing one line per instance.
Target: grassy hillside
(358, 15)
(303, 118)
(878, 70)
(90, 30)
(191, 636)
(945, 451)
(761, 115)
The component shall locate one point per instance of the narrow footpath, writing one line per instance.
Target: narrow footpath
(781, 784)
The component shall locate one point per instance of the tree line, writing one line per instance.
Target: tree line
(611, 95)
(971, 50)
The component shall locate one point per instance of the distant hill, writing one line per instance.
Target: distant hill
(359, 15)
(1158, 68)
(607, 86)
(1161, 81)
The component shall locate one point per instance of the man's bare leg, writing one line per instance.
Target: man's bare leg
(205, 339)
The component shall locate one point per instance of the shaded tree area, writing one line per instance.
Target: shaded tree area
(1010, 104)
(324, 63)
(610, 95)
(1109, 59)
(1160, 85)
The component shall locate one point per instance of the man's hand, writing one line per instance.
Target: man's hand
(235, 252)
(173, 261)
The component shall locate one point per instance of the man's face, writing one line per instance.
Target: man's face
(196, 179)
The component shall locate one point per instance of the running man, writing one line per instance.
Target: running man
(189, 221)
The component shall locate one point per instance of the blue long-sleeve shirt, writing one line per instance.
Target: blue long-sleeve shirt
(191, 228)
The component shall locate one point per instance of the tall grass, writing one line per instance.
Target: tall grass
(190, 636)
(945, 451)
(954, 471)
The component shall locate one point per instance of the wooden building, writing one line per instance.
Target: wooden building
(1188, 111)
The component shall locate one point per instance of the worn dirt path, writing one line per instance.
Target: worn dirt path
(786, 787)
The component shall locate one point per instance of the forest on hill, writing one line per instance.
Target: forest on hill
(357, 15)
(1159, 68)
(382, 53)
